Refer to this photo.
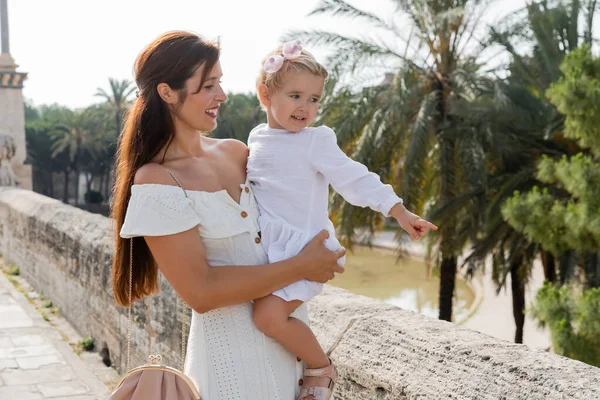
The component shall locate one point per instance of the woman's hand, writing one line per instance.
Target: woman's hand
(414, 225)
(320, 263)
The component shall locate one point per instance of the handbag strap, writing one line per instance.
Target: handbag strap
(184, 309)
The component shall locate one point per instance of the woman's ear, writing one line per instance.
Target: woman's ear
(263, 95)
(167, 94)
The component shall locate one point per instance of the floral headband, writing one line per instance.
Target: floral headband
(290, 50)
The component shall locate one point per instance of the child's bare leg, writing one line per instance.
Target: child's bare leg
(272, 317)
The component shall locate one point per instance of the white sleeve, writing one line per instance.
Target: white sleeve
(349, 178)
(157, 213)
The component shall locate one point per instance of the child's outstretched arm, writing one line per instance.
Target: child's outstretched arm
(358, 185)
(414, 225)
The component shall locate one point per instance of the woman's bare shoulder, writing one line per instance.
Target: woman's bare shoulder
(231, 148)
(235, 147)
(152, 173)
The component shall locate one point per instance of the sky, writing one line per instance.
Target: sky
(69, 48)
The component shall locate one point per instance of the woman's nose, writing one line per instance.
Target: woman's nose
(221, 96)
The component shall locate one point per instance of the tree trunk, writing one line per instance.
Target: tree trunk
(77, 162)
(447, 166)
(51, 184)
(549, 266)
(101, 184)
(66, 188)
(106, 178)
(447, 282)
(566, 265)
(592, 270)
(77, 185)
(518, 299)
(447, 231)
(88, 184)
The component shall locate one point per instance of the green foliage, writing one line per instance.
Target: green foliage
(116, 100)
(31, 113)
(561, 221)
(565, 213)
(577, 95)
(45, 316)
(573, 319)
(561, 211)
(47, 304)
(237, 116)
(86, 344)
(39, 126)
(14, 270)
(65, 141)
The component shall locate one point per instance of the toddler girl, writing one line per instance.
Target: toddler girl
(290, 168)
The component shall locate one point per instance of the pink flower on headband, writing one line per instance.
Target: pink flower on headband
(290, 50)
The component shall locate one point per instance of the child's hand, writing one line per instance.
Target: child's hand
(416, 226)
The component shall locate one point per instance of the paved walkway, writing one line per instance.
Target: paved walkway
(494, 314)
(35, 363)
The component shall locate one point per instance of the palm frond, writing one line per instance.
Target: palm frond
(350, 51)
(341, 8)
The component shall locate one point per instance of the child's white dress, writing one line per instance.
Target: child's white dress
(290, 175)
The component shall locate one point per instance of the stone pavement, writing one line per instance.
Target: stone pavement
(35, 362)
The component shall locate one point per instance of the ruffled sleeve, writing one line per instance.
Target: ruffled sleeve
(349, 178)
(158, 210)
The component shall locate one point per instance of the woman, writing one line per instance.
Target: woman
(187, 196)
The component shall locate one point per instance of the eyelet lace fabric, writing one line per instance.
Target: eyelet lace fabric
(228, 357)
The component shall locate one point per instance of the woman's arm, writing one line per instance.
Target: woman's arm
(182, 259)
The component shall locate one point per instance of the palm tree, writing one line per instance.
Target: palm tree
(103, 147)
(72, 135)
(517, 120)
(39, 125)
(117, 99)
(552, 31)
(409, 128)
(39, 155)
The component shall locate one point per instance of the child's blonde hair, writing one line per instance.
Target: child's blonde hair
(305, 62)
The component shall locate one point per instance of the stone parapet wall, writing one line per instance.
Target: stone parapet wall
(382, 352)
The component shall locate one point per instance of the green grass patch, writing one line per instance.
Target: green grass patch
(45, 316)
(86, 344)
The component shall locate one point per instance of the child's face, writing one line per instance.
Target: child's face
(294, 106)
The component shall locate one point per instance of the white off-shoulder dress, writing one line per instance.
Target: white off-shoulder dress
(290, 174)
(227, 357)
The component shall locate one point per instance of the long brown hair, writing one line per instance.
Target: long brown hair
(149, 127)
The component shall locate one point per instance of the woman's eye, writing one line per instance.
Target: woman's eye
(314, 100)
(295, 96)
